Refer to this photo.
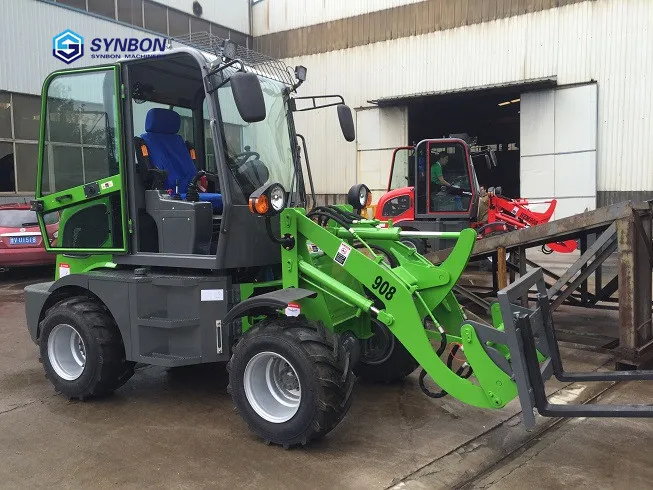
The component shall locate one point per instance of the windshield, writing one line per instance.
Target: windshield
(21, 218)
(258, 153)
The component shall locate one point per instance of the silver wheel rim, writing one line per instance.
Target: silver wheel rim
(409, 244)
(272, 387)
(66, 352)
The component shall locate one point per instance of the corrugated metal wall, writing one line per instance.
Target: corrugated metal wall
(280, 15)
(229, 13)
(26, 53)
(608, 41)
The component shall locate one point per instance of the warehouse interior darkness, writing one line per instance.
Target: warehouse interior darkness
(492, 116)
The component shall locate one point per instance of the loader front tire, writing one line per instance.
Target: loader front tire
(385, 359)
(81, 348)
(290, 380)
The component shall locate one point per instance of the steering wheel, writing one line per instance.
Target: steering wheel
(461, 181)
(243, 158)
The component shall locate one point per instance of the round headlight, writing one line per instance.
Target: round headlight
(362, 196)
(268, 200)
(277, 198)
(359, 196)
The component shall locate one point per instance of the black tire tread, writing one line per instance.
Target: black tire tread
(331, 365)
(420, 244)
(399, 365)
(113, 370)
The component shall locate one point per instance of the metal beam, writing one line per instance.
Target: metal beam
(474, 298)
(554, 231)
(634, 288)
(608, 290)
(648, 245)
(600, 258)
(607, 235)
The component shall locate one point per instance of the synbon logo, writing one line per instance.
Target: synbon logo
(68, 46)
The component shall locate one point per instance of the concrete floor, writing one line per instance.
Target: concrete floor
(178, 429)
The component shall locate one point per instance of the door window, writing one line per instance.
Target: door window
(80, 178)
(448, 174)
(80, 131)
(403, 172)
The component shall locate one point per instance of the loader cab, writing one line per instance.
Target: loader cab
(150, 160)
(417, 199)
(426, 167)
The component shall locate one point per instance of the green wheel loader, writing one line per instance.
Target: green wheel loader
(185, 238)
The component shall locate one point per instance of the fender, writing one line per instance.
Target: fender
(39, 297)
(403, 210)
(268, 302)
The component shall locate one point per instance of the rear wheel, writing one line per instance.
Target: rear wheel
(417, 244)
(290, 380)
(81, 349)
(384, 359)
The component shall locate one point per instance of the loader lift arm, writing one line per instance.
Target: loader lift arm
(511, 358)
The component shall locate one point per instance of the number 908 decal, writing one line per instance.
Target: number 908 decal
(384, 288)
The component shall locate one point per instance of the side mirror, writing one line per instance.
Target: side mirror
(346, 122)
(248, 96)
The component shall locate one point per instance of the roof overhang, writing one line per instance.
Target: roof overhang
(495, 89)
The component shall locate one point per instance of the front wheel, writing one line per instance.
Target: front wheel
(290, 380)
(384, 358)
(81, 348)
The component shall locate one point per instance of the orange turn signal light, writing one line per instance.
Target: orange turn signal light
(259, 205)
(368, 201)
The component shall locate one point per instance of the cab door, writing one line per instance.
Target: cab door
(80, 166)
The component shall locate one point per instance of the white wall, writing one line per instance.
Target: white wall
(229, 13)
(607, 41)
(380, 131)
(281, 15)
(26, 52)
(558, 147)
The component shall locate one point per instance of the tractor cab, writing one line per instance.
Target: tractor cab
(153, 160)
(432, 187)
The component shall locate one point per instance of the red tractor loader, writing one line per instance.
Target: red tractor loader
(417, 201)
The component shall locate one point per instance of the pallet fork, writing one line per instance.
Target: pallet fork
(530, 331)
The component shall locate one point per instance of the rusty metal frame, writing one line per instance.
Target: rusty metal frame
(623, 228)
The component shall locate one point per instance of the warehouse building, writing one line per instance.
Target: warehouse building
(29, 27)
(560, 88)
(557, 87)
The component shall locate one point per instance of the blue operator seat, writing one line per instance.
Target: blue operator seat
(168, 151)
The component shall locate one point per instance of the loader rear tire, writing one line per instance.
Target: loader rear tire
(418, 244)
(390, 363)
(290, 380)
(82, 350)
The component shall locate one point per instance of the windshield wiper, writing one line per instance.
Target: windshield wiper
(30, 223)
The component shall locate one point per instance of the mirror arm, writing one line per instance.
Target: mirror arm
(312, 98)
(221, 68)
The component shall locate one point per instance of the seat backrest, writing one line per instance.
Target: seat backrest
(167, 150)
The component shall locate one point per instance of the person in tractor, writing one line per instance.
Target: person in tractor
(436, 170)
(438, 184)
